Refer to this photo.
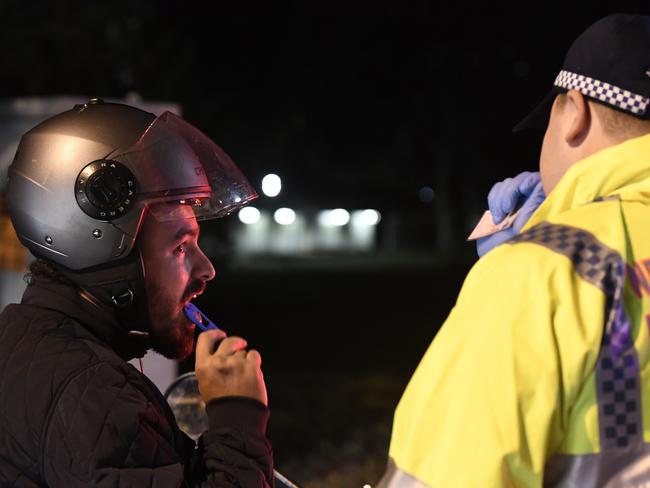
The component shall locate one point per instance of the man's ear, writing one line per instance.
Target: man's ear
(577, 115)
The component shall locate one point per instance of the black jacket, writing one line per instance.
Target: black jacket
(73, 412)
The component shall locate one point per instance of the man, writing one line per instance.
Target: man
(540, 375)
(108, 197)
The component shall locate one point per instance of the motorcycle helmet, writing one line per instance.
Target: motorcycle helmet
(81, 182)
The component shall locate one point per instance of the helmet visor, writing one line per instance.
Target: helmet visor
(174, 162)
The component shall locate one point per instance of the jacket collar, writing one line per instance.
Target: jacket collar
(96, 319)
(622, 170)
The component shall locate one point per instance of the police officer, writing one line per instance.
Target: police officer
(540, 374)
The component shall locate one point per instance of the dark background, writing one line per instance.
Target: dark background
(355, 105)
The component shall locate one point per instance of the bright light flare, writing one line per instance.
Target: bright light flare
(366, 218)
(334, 218)
(284, 216)
(271, 185)
(249, 215)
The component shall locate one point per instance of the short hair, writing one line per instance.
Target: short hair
(619, 126)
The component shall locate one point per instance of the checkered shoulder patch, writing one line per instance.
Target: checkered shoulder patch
(600, 90)
(617, 369)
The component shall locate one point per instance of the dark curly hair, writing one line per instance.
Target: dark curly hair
(44, 270)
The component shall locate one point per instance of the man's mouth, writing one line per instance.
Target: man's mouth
(194, 295)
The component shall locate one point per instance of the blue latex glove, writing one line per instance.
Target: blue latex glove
(524, 191)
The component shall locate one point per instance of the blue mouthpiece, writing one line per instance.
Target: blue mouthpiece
(198, 318)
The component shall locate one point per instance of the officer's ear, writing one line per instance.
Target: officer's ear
(576, 116)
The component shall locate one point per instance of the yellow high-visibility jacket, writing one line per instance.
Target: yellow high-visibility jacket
(540, 376)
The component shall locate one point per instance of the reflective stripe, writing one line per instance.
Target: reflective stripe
(617, 370)
(394, 477)
(619, 467)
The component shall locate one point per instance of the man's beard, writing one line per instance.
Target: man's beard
(171, 335)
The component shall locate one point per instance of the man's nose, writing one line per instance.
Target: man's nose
(203, 268)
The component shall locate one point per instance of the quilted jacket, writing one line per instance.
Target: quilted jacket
(73, 412)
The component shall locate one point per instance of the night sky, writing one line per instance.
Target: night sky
(356, 103)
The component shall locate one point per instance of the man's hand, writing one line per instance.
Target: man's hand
(230, 370)
(524, 192)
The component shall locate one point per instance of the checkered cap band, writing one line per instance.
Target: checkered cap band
(617, 370)
(599, 90)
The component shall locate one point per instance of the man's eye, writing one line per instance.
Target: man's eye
(180, 249)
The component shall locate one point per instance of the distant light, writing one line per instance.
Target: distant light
(237, 199)
(366, 217)
(284, 216)
(271, 185)
(426, 194)
(339, 217)
(249, 215)
(334, 218)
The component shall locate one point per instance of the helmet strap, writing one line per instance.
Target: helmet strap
(119, 287)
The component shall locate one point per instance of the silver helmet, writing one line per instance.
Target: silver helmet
(80, 181)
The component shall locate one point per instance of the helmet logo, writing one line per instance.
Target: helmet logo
(105, 189)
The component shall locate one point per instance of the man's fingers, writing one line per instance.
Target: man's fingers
(538, 194)
(255, 357)
(509, 203)
(494, 202)
(231, 345)
(508, 195)
(205, 344)
(534, 200)
(528, 184)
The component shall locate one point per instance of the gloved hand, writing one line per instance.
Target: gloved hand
(524, 191)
